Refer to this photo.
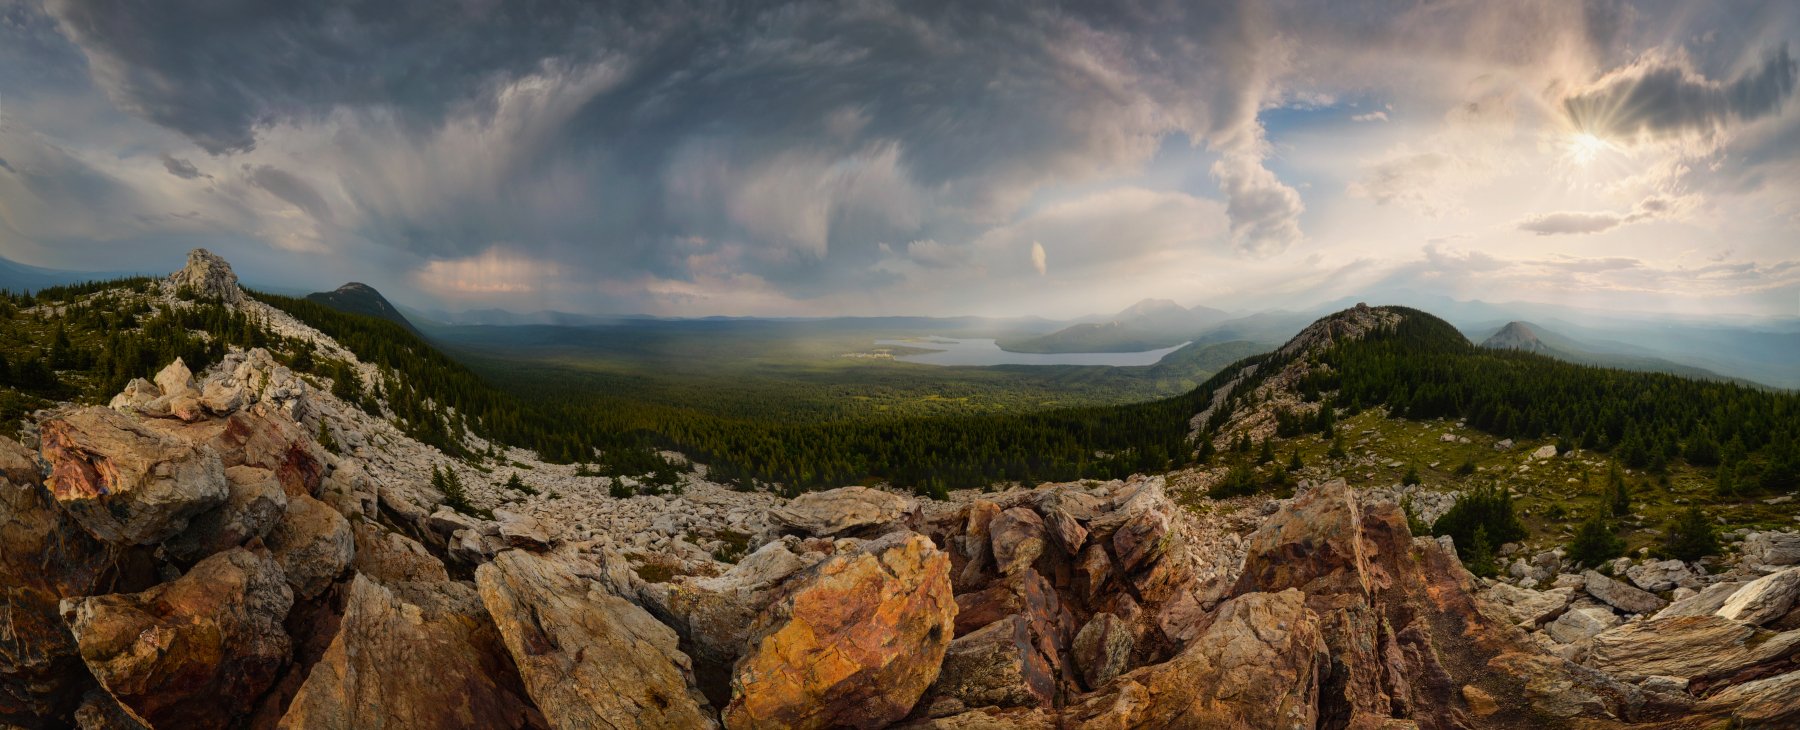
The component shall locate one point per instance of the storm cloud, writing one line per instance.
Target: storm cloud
(802, 156)
(1662, 94)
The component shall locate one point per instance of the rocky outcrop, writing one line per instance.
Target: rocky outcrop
(1621, 596)
(413, 655)
(855, 641)
(997, 665)
(1259, 664)
(589, 659)
(44, 556)
(195, 652)
(1772, 548)
(126, 483)
(1103, 649)
(313, 544)
(847, 511)
(1018, 537)
(255, 504)
(1765, 599)
(209, 276)
(390, 557)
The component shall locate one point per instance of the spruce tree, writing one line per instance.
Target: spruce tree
(1690, 536)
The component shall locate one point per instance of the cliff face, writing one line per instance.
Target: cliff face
(192, 557)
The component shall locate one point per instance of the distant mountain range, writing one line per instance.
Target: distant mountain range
(1532, 338)
(17, 277)
(360, 298)
(1148, 325)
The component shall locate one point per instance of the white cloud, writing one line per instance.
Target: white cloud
(1037, 258)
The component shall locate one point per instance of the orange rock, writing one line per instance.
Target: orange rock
(854, 642)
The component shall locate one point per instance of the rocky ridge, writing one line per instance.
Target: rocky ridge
(192, 557)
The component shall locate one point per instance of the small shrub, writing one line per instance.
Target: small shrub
(1690, 536)
(618, 490)
(1486, 508)
(1467, 468)
(1239, 482)
(1595, 543)
(516, 484)
(1411, 478)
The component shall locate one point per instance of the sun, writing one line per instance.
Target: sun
(1583, 148)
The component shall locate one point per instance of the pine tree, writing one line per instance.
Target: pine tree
(1690, 536)
(1337, 448)
(1411, 478)
(1479, 558)
(1294, 463)
(326, 440)
(1595, 543)
(1618, 494)
(1267, 454)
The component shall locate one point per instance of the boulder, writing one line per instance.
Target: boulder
(854, 641)
(209, 276)
(1064, 529)
(714, 614)
(1704, 603)
(175, 379)
(256, 503)
(1258, 665)
(1547, 451)
(1662, 575)
(1580, 623)
(977, 542)
(1772, 548)
(848, 511)
(194, 652)
(1018, 537)
(313, 544)
(1092, 571)
(589, 659)
(1025, 592)
(1524, 606)
(1772, 703)
(125, 483)
(1683, 646)
(417, 655)
(390, 557)
(1103, 649)
(998, 665)
(99, 711)
(44, 557)
(1621, 596)
(521, 530)
(1765, 599)
(1141, 540)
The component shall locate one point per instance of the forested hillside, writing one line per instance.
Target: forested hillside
(85, 342)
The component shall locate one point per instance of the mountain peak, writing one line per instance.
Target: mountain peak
(210, 276)
(1516, 335)
(359, 298)
(1148, 307)
(1348, 324)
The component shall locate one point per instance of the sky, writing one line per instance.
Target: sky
(915, 157)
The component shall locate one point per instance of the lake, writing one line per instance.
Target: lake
(978, 352)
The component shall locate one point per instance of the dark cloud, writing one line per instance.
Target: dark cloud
(1662, 95)
(4, 165)
(291, 188)
(181, 168)
(979, 104)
